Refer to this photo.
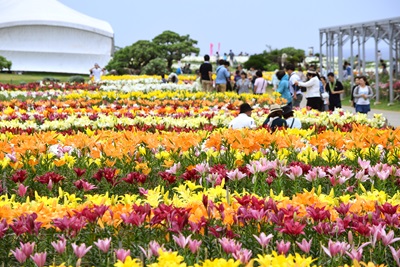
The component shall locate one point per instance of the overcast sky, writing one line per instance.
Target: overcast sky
(246, 26)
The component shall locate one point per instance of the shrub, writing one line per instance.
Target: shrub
(50, 79)
(76, 79)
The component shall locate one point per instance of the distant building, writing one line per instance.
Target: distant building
(45, 35)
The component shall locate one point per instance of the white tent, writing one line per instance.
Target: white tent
(45, 35)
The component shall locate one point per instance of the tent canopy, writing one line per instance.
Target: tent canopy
(45, 35)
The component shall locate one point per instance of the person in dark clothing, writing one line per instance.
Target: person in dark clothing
(274, 120)
(356, 83)
(334, 88)
(206, 74)
(384, 68)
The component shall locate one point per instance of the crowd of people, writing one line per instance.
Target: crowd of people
(321, 93)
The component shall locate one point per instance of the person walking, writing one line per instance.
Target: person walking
(334, 89)
(243, 85)
(312, 86)
(294, 89)
(222, 76)
(206, 74)
(283, 89)
(244, 119)
(362, 95)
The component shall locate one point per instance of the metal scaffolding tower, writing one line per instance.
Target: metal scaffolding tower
(387, 30)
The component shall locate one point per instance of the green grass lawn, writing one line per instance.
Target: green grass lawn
(28, 77)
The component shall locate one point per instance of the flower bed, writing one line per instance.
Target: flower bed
(176, 188)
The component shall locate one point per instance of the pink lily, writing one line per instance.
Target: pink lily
(364, 164)
(19, 255)
(229, 245)
(103, 244)
(311, 176)
(396, 255)
(335, 248)
(27, 248)
(264, 240)
(60, 245)
(235, 175)
(335, 170)
(3, 227)
(155, 247)
(39, 259)
(122, 254)
(194, 245)
(81, 250)
(243, 255)
(295, 171)
(181, 240)
(383, 175)
(21, 191)
(305, 245)
(174, 169)
(202, 168)
(361, 176)
(388, 239)
(356, 254)
(346, 172)
(282, 247)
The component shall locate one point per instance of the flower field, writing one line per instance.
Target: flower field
(134, 173)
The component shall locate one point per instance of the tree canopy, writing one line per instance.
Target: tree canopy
(5, 64)
(175, 47)
(167, 45)
(272, 59)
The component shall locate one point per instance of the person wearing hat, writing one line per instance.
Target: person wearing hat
(244, 119)
(313, 93)
(274, 119)
(291, 121)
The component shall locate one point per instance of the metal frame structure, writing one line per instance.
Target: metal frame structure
(387, 30)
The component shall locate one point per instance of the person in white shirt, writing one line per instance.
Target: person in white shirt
(294, 90)
(313, 93)
(291, 121)
(362, 95)
(96, 72)
(244, 119)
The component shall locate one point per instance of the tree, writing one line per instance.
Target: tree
(168, 45)
(156, 66)
(120, 60)
(256, 61)
(142, 53)
(5, 64)
(295, 56)
(174, 46)
(135, 56)
(272, 59)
